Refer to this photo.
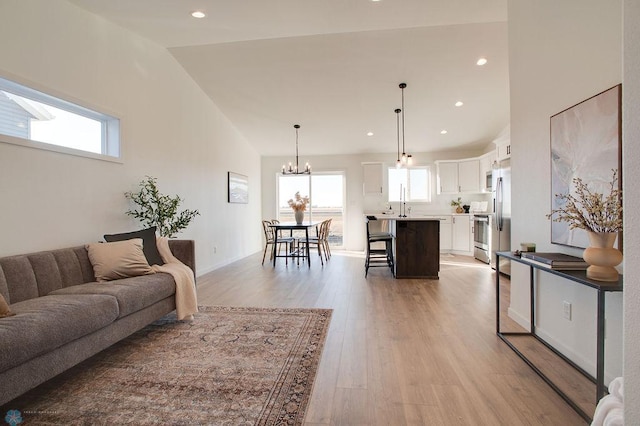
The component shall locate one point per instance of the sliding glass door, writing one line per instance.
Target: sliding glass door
(326, 191)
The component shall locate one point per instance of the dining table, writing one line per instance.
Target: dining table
(296, 253)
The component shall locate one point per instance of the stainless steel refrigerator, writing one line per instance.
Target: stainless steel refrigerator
(501, 213)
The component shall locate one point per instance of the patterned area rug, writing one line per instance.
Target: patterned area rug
(230, 366)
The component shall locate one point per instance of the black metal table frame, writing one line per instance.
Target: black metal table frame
(575, 276)
(292, 227)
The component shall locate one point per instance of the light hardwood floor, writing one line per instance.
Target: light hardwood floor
(415, 352)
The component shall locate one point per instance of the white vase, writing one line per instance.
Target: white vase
(602, 257)
(299, 215)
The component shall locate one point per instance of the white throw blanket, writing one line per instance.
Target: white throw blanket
(186, 298)
(610, 409)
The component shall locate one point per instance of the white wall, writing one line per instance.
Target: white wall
(631, 159)
(170, 130)
(560, 53)
(358, 204)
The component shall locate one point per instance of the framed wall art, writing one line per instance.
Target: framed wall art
(586, 142)
(238, 188)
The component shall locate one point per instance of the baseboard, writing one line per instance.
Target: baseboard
(574, 356)
(521, 320)
(203, 271)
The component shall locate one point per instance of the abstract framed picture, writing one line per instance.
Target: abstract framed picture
(586, 143)
(238, 191)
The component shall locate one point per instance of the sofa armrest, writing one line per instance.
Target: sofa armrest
(185, 251)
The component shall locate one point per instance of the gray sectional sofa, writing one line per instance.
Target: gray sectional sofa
(62, 316)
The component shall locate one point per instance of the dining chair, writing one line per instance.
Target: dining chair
(320, 240)
(325, 239)
(269, 235)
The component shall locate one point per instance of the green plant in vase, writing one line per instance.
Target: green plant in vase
(457, 204)
(156, 209)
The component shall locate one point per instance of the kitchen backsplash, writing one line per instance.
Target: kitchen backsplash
(440, 204)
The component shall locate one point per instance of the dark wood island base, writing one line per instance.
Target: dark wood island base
(416, 247)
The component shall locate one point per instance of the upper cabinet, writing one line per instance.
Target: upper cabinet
(503, 150)
(447, 177)
(458, 176)
(372, 178)
(469, 175)
(472, 175)
(503, 144)
(486, 165)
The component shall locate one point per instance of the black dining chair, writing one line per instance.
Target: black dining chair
(375, 256)
(269, 236)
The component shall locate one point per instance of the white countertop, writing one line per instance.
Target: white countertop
(419, 216)
(408, 218)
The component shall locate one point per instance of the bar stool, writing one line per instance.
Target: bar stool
(378, 257)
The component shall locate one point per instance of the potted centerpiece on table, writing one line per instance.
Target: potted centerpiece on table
(601, 217)
(299, 205)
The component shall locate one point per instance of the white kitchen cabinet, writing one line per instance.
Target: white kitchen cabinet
(503, 150)
(461, 176)
(445, 234)
(469, 176)
(372, 178)
(461, 233)
(486, 165)
(448, 177)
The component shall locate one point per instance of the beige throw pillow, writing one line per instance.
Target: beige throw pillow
(4, 308)
(120, 259)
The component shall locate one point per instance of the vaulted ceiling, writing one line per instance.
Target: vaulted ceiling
(334, 66)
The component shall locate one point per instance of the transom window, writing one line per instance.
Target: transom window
(415, 182)
(32, 118)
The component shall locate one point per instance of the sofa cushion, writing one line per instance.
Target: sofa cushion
(4, 308)
(133, 294)
(46, 323)
(149, 246)
(121, 259)
(19, 278)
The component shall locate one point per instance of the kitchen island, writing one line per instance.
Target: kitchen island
(416, 246)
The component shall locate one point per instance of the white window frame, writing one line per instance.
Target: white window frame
(110, 138)
(411, 199)
(341, 172)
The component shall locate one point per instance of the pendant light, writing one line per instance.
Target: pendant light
(407, 159)
(397, 111)
(295, 170)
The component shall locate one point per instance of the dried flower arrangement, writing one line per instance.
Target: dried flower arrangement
(591, 211)
(299, 203)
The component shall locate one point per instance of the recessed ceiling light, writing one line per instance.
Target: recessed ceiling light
(482, 61)
(369, 133)
(375, 1)
(443, 132)
(198, 14)
(459, 103)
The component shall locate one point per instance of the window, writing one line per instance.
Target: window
(326, 192)
(416, 184)
(32, 118)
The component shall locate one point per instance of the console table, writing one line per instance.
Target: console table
(579, 277)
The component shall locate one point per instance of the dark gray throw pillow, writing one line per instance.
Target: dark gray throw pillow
(149, 246)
